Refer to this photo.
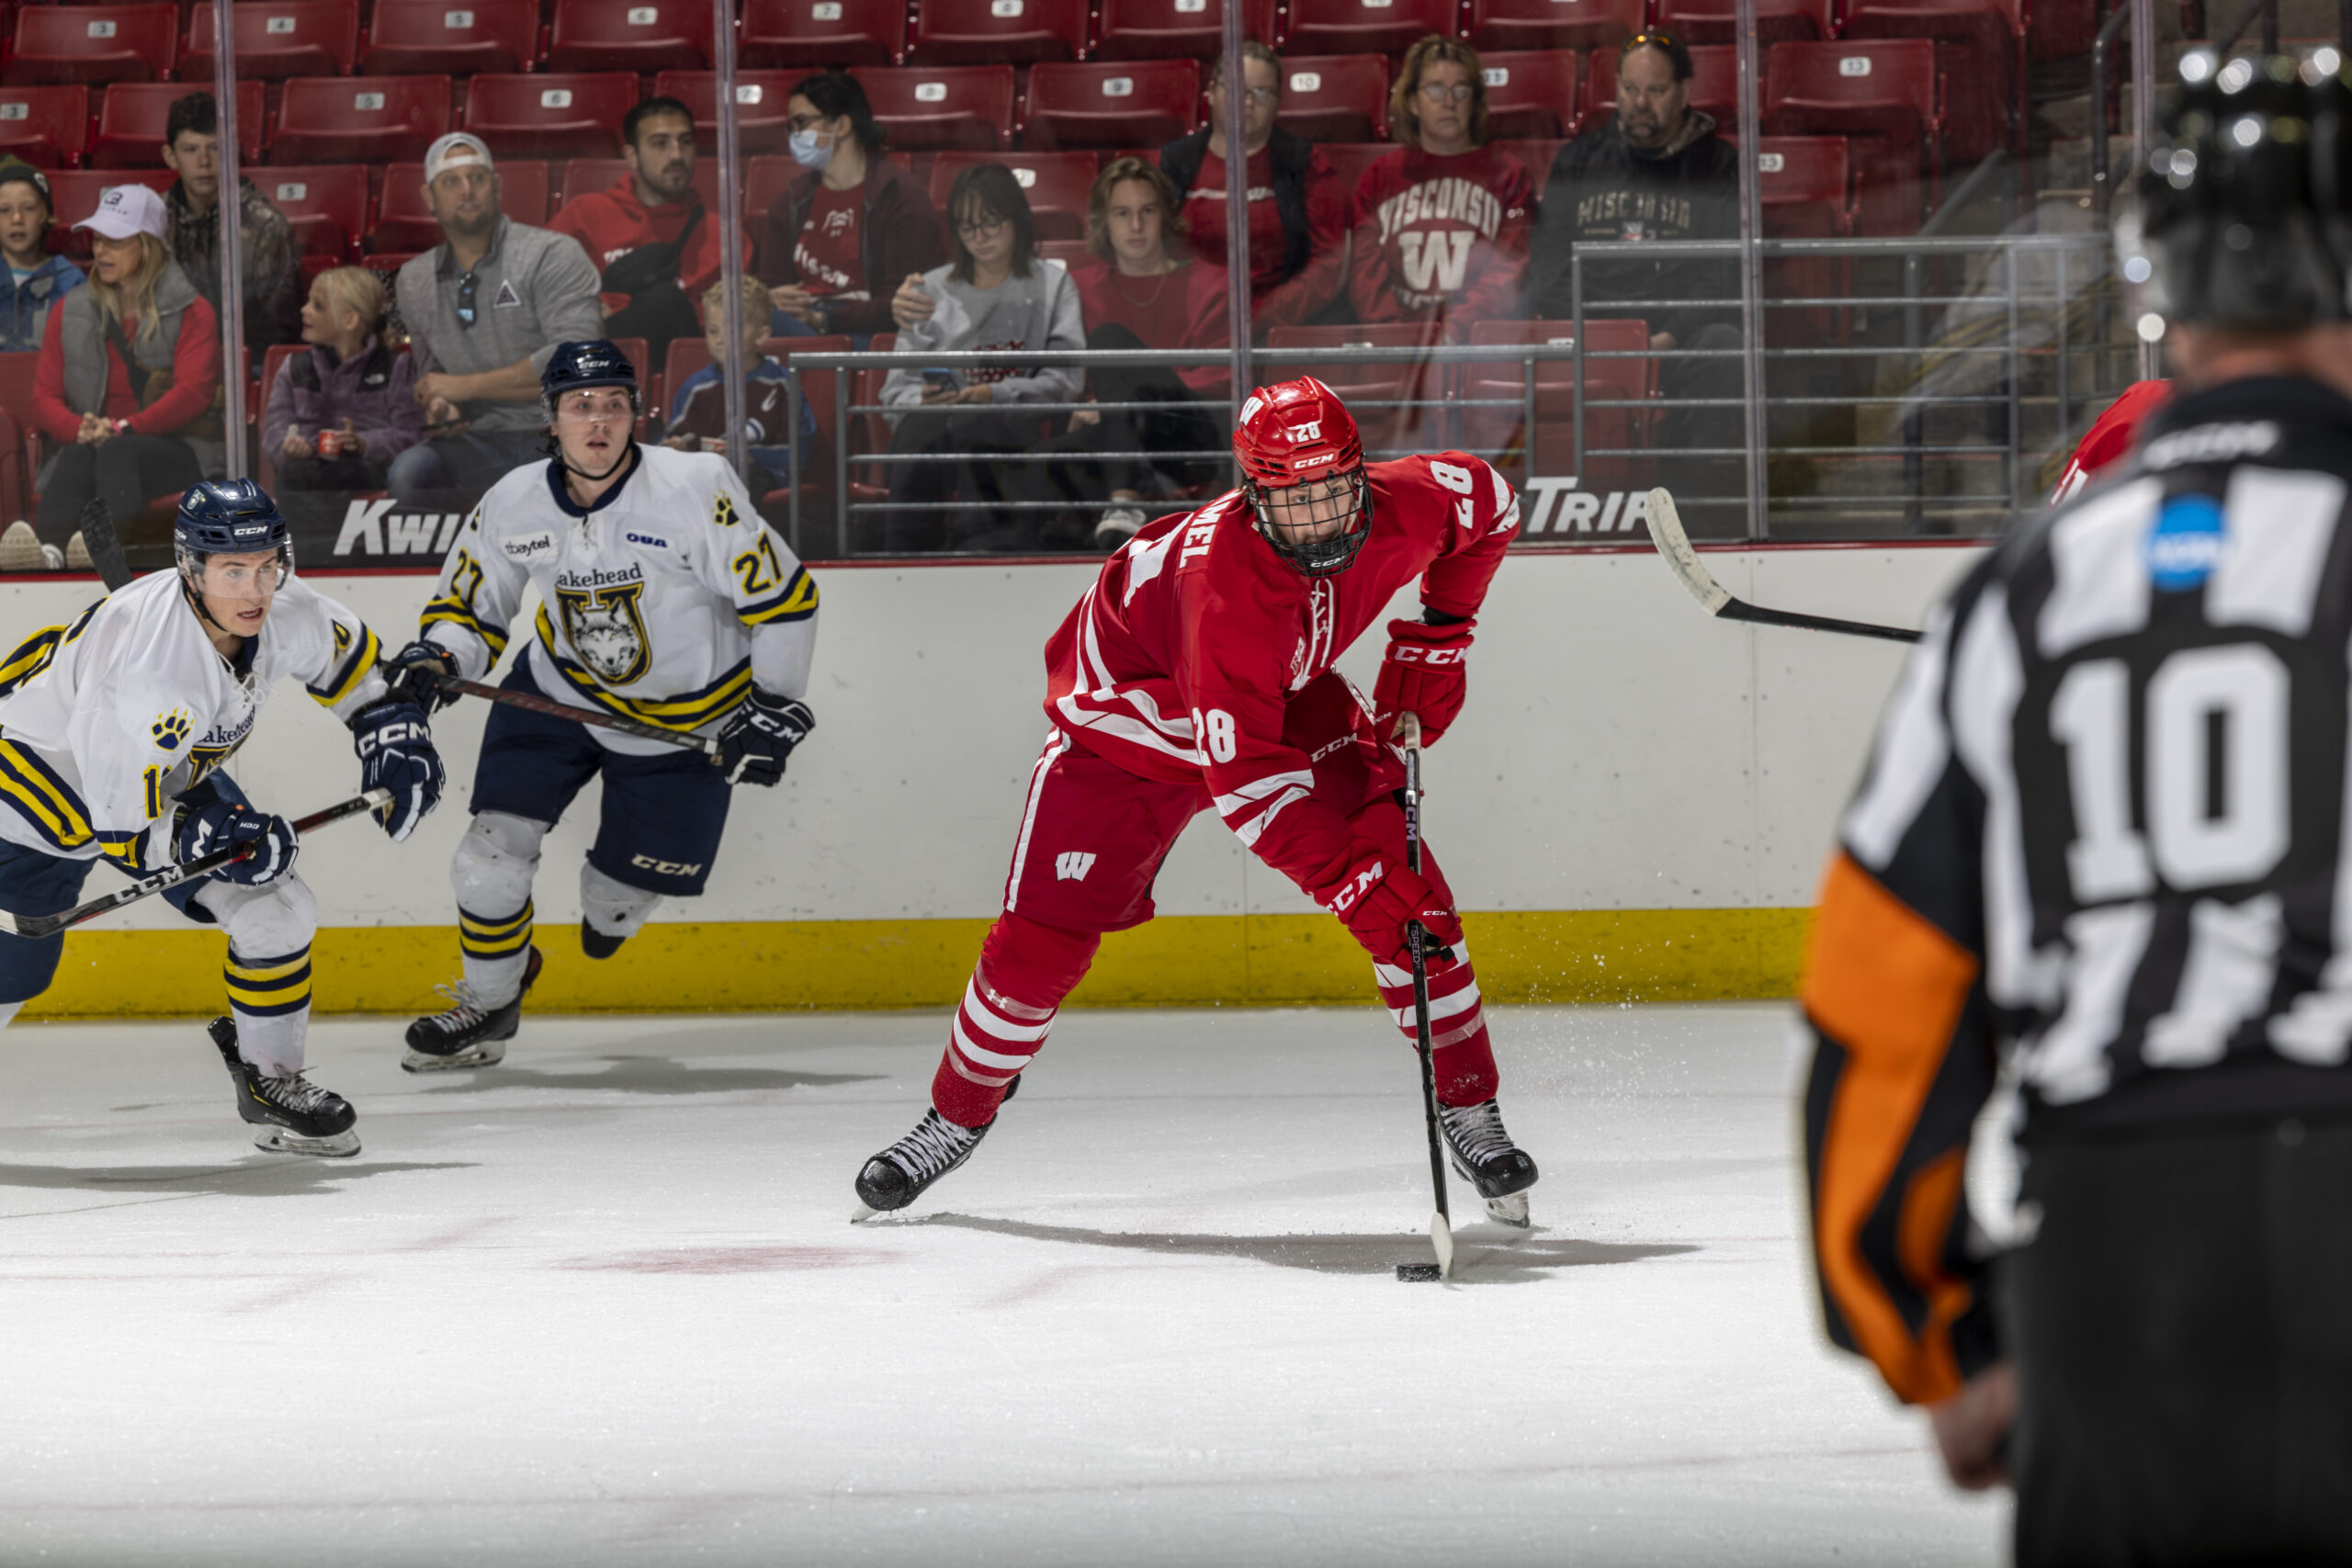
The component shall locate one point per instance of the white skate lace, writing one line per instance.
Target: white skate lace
(934, 1144)
(466, 1008)
(1475, 1132)
(298, 1094)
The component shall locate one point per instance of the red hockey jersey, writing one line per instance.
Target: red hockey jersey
(2111, 436)
(1179, 661)
(1441, 236)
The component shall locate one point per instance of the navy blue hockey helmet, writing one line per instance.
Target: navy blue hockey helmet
(575, 366)
(229, 517)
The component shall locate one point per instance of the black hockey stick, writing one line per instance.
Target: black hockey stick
(455, 686)
(1665, 531)
(39, 926)
(99, 537)
(1417, 943)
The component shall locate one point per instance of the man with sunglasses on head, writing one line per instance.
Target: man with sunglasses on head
(1197, 673)
(484, 310)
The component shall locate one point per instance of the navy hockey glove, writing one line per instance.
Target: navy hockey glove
(414, 674)
(759, 735)
(219, 825)
(395, 747)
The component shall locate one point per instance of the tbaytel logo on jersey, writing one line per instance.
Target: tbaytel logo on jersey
(2186, 543)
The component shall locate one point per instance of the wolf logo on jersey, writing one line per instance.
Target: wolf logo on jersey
(606, 629)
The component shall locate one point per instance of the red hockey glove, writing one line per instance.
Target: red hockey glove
(1375, 898)
(1425, 671)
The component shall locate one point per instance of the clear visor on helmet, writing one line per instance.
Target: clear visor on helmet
(240, 575)
(1318, 526)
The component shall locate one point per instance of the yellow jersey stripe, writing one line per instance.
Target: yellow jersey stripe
(344, 681)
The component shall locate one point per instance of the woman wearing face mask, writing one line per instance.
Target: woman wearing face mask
(851, 227)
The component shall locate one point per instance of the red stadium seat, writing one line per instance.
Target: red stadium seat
(1715, 85)
(73, 196)
(1338, 97)
(456, 37)
(1806, 186)
(1980, 52)
(573, 116)
(1535, 154)
(1351, 159)
(979, 32)
(1531, 93)
(1114, 105)
(766, 180)
(1554, 24)
(1635, 380)
(1069, 252)
(950, 106)
(277, 39)
(1382, 430)
(584, 176)
(359, 119)
(761, 124)
(47, 127)
(1885, 89)
(1056, 184)
(805, 35)
(90, 44)
(325, 204)
(1173, 30)
(1363, 27)
(1777, 21)
(406, 223)
(132, 114)
(630, 35)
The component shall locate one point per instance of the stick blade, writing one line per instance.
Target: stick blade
(1441, 1239)
(1665, 522)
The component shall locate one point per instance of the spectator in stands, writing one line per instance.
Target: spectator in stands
(1298, 209)
(1137, 294)
(657, 244)
(269, 263)
(1655, 170)
(36, 280)
(485, 310)
(852, 226)
(129, 381)
(997, 294)
(341, 412)
(698, 407)
(1442, 223)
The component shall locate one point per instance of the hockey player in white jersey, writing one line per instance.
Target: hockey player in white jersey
(664, 598)
(112, 730)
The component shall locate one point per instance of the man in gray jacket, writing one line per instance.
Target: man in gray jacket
(484, 310)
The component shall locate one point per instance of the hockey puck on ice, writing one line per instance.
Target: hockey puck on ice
(1418, 1271)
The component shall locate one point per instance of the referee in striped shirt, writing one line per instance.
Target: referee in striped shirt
(2103, 857)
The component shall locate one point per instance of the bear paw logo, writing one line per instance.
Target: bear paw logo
(171, 729)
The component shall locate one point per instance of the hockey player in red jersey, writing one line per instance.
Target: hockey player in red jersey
(1197, 674)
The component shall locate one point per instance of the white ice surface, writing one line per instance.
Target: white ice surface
(603, 1305)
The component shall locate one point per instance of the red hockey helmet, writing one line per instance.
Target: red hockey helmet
(1302, 472)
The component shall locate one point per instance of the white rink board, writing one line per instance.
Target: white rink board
(1621, 750)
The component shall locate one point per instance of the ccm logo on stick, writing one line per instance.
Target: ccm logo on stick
(663, 867)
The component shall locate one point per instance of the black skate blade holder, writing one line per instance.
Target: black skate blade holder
(1421, 950)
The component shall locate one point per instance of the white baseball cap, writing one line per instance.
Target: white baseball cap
(125, 210)
(455, 148)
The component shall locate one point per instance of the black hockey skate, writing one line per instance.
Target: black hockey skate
(294, 1115)
(469, 1034)
(898, 1175)
(1487, 1159)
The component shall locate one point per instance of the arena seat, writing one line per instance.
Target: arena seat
(1164, 29)
(765, 179)
(1071, 254)
(1056, 184)
(1806, 187)
(1980, 55)
(359, 119)
(761, 123)
(1114, 105)
(132, 114)
(1717, 21)
(1531, 93)
(1409, 375)
(1715, 85)
(1557, 396)
(1884, 89)
(73, 196)
(988, 32)
(804, 35)
(277, 39)
(630, 35)
(460, 38)
(967, 106)
(1534, 153)
(47, 127)
(1552, 24)
(405, 223)
(90, 44)
(584, 175)
(1351, 159)
(1335, 98)
(573, 115)
(1363, 27)
(325, 204)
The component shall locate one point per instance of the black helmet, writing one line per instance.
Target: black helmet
(576, 367)
(228, 517)
(2245, 206)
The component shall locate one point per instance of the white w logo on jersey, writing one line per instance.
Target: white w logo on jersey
(1072, 866)
(1436, 263)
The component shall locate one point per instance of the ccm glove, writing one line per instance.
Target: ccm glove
(395, 747)
(1377, 896)
(230, 824)
(759, 735)
(416, 671)
(1426, 673)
